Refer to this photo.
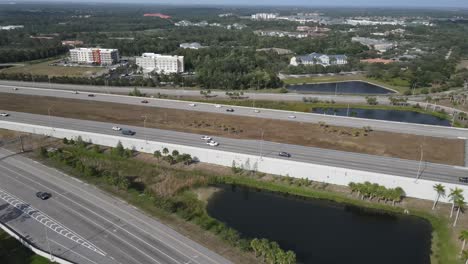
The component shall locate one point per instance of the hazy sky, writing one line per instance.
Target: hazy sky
(392, 3)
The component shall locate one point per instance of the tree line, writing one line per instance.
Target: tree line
(370, 191)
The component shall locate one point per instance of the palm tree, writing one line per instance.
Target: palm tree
(440, 189)
(464, 256)
(165, 151)
(460, 203)
(454, 195)
(157, 154)
(290, 257)
(463, 237)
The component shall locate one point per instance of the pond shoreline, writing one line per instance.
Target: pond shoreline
(348, 87)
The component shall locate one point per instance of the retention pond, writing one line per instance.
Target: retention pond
(321, 231)
(383, 114)
(351, 87)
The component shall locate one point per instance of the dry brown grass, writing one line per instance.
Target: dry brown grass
(405, 146)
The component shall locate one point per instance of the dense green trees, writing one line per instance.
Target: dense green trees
(270, 252)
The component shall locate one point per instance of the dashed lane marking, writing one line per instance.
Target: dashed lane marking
(47, 221)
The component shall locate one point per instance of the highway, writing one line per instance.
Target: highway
(83, 224)
(379, 164)
(397, 127)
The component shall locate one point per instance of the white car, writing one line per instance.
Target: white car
(257, 111)
(4, 114)
(193, 105)
(116, 128)
(212, 143)
(207, 138)
(218, 106)
(292, 116)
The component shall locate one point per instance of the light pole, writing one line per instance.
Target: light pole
(50, 119)
(48, 244)
(261, 145)
(144, 127)
(420, 163)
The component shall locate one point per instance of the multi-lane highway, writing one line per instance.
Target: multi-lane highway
(397, 127)
(379, 164)
(84, 225)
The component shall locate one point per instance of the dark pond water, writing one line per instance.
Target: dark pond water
(353, 87)
(323, 232)
(390, 115)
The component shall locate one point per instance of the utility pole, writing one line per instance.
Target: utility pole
(347, 111)
(50, 86)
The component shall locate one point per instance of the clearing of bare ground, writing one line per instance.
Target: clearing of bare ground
(405, 146)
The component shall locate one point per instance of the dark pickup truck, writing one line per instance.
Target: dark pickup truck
(128, 132)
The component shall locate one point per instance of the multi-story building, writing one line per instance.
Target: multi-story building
(377, 44)
(160, 63)
(194, 45)
(95, 55)
(264, 16)
(319, 59)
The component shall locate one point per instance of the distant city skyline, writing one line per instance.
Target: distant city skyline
(331, 3)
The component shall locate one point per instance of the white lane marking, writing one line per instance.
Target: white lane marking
(98, 225)
(49, 223)
(127, 213)
(71, 250)
(267, 110)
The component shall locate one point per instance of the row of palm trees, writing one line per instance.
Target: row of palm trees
(372, 190)
(456, 198)
(464, 253)
(271, 253)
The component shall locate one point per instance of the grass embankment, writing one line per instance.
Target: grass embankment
(405, 146)
(44, 68)
(167, 192)
(12, 251)
(340, 78)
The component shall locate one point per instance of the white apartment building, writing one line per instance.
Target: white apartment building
(95, 55)
(319, 59)
(160, 63)
(264, 16)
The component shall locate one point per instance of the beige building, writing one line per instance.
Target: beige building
(161, 63)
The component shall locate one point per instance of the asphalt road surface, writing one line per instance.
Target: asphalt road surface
(84, 225)
(350, 160)
(397, 127)
(190, 92)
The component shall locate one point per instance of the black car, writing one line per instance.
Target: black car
(43, 195)
(91, 95)
(128, 132)
(229, 110)
(284, 154)
(463, 179)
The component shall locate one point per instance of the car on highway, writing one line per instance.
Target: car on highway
(144, 102)
(206, 138)
(291, 116)
(90, 95)
(463, 179)
(284, 154)
(4, 114)
(43, 195)
(116, 128)
(75, 92)
(212, 143)
(193, 105)
(218, 106)
(256, 111)
(15, 89)
(230, 110)
(128, 132)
